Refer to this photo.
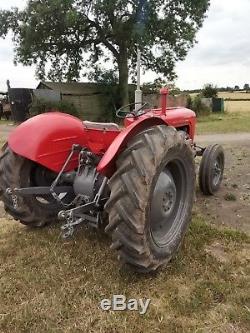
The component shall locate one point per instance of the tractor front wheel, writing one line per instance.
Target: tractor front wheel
(211, 169)
(151, 198)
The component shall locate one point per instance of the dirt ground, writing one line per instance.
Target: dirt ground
(231, 205)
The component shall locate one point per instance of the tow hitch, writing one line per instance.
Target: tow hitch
(89, 213)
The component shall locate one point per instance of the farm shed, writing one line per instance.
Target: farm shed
(88, 98)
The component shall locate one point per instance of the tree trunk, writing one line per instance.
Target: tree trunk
(123, 78)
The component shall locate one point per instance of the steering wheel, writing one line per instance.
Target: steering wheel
(123, 113)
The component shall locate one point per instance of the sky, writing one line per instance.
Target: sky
(221, 55)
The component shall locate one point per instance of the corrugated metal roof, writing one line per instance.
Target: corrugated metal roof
(71, 88)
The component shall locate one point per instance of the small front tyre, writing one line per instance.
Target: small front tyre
(211, 169)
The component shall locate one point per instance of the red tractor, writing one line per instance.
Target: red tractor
(55, 166)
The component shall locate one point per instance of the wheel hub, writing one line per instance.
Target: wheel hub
(168, 202)
(216, 173)
(164, 199)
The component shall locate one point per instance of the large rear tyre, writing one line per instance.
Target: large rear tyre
(16, 172)
(151, 198)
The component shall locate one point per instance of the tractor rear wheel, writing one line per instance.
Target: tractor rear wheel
(16, 172)
(151, 198)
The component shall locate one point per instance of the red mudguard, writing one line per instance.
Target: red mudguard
(176, 117)
(47, 139)
(107, 164)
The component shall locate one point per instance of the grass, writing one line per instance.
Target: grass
(230, 197)
(51, 285)
(2, 142)
(4, 121)
(224, 123)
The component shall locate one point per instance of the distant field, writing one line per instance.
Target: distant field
(224, 123)
(234, 95)
(234, 101)
(230, 95)
(237, 106)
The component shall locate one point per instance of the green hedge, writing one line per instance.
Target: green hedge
(41, 106)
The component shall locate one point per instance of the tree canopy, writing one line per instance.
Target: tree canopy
(64, 37)
(246, 86)
(209, 91)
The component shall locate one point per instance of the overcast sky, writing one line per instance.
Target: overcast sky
(221, 56)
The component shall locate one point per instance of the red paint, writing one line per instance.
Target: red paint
(164, 94)
(176, 117)
(107, 163)
(47, 139)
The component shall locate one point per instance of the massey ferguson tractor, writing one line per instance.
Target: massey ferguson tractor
(55, 167)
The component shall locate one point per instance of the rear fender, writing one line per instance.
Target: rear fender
(47, 139)
(107, 165)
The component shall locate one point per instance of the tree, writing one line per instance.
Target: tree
(246, 87)
(236, 88)
(154, 87)
(209, 91)
(70, 35)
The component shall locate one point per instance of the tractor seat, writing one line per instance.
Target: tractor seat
(101, 126)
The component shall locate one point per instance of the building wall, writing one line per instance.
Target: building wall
(88, 98)
(92, 103)
(90, 107)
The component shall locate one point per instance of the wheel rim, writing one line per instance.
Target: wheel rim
(217, 171)
(168, 203)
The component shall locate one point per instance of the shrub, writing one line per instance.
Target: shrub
(199, 107)
(189, 102)
(155, 86)
(209, 91)
(42, 106)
